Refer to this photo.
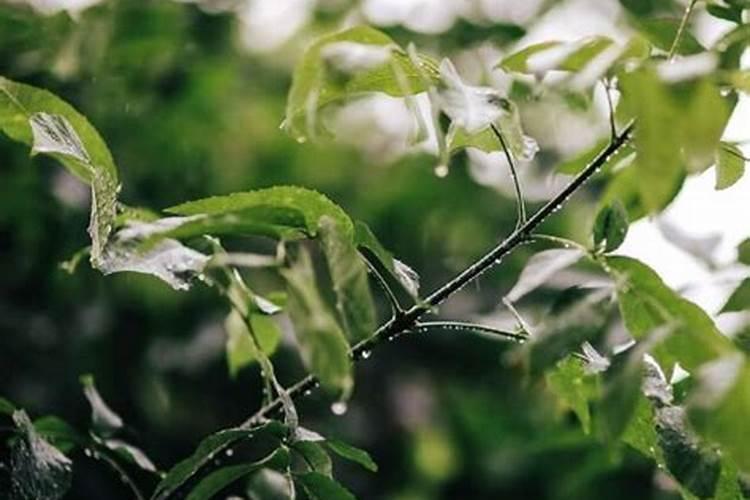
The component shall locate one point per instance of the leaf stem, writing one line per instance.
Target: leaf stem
(520, 204)
(681, 29)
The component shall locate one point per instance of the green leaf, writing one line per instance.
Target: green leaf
(274, 207)
(574, 165)
(321, 487)
(240, 349)
(323, 345)
(625, 187)
(728, 13)
(352, 453)
(662, 32)
(740, 298)
(348, 64)
(219, 479)
(104, 421)
(730, 165)
(569, 381)
(610, 227)
(314, 456)
(59, 433)
(350, 282)
(129, 453)
(540, 268)
(39, 470)
(51, 126)
(646, 303)
(743, 252)
(205, 453)
(6, 407)
(268, 484)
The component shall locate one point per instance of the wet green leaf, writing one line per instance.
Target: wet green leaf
(740, 298)
(569, 381)
(541, 267)
(240, 349)
(610, 227)
(349, 452)
(314, 457)
(321, 487)
(743, 252)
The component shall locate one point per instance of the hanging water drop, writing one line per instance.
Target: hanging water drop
(366, 354)
(339, 408)
(441, 170)
(87, 452)
(229, 452)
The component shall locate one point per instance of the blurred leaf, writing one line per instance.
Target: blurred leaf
(728, 13)
(349, 452)
(219, 479)
(6, 407)
(268, 484)
(205, 453)
(702, 248)
(322, 343)
(730, 165)
(51, 126)
(348, 64)
(39, 470)
(350, 282)
(540, 268)
(577, 163)
(720, 404)
(569, 381)
(104, 421)
(321, 487)
(470, 108)
(130, 453)
(314, 456)
(646, 303)
(240, 348)
(662, 32)
(610, 227)
(58, 433)
(743, 252)
(626, 187)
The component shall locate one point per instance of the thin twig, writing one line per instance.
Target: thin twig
(681, 29)
(607, 93)
(520, 204)
(396, 308)
(483, 330)
(103, 453)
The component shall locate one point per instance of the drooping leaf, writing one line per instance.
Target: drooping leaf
(38, 469)
(346, 65)
(314, 456)
(321, 487)
(352, 453)
(323, 345)
(646, 303)
(610, 227)
(104, 421)
(350, 283)
(719, 406)
(540, 268)
(206, 452)
(219, 479)
(58, 433)
(39, 119)
(730, 165)
(130, 453)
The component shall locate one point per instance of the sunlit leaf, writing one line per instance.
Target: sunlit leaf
(610, 227)
(323, 345)
(103, 419)
(38, 469)
(350, 283)
(730, 165)
(349, 64)
(575, 388)
(51, 126)
(540, 268)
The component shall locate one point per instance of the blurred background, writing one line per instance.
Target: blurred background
(190, 95)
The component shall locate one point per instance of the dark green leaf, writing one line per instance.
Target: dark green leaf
(610, 227)
(732, 14)
(348, 64)
(662, 32)
(323, 345)
(730, 165)
(6, 407)
(743, 252)
(350, 282)
(38, 469)
(268, 484)
(740, 298)
(51, 126)
(321, 487)
(219, 479)
(349, 452)
(314, 456)
(59, 433)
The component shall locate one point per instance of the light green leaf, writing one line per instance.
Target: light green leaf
(350, 283)
(206, 451)
(323, 345)
(240, 348)
(321, 487)
(38, 469)
(349, 452)
(646, 303)
(610, 227)
(720, 404)
(104, 421)
(620, 158)
(349, 64)
(662, 33)
(730, 165)
(51, 126)
(625, 186)
(219, 479)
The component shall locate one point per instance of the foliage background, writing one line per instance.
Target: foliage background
(190, 105)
